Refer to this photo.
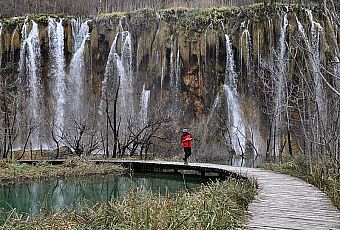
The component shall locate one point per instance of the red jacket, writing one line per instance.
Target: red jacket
(187, 140)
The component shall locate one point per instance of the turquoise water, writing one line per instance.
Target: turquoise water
(56, 195)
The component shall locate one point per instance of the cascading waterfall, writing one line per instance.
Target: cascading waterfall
(122, 62)
(337, 73)
(0, 44)
(12, 43)
(57, 72)
(22, 48)
(144, 105)
(32, 44)
(279, 84)
(213, 109)
(314, 59)
(162, 81)
(76, 73)
(217, 48)
(109, 70)
(174, 75)
(320, 97)
(235, 117)
(245, 41)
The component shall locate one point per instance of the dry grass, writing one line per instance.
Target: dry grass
(11, 171)
(219, 205)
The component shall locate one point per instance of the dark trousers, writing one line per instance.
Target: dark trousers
(187, 153)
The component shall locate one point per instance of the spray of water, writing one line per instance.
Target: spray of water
(57, 71)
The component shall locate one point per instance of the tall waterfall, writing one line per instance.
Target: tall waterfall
(235, 117)
(314, 60)
(245, 41)
(30, 58)
(144, 106)
(109, 70)
(77, 69)
(0, 44)
(12, 43)
(279, 85)
(57, 71)
(120, 62)
(124, 66)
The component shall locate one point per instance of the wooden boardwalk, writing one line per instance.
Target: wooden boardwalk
(283, 202)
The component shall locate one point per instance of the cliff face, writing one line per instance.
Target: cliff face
(242, 74)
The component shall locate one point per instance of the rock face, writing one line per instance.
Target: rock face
(232, 73)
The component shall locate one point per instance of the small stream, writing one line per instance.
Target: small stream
(55, 195)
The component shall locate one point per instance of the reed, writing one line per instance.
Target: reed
(11, 171)
(217, 205)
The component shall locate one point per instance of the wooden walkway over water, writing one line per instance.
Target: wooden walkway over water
(283, 202)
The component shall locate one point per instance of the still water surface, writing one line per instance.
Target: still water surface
(56, 195)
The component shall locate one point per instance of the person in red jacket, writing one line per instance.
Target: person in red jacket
(187, 144)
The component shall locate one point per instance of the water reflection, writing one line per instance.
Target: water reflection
(54, 196)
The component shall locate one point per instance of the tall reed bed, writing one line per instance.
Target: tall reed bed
(217, 205)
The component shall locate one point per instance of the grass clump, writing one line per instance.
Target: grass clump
(218, 205)
(306, 169)
(11, 171)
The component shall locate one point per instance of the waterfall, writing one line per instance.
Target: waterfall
(174, 75)
(314, 59)
(279, 86)
(0, 44)
(124, 64)
(213, 109)
(109, 69)
(337, 72)
(120, 61)
(32, 45)
(144, 105)
(162, 81)
(217, 57)
(245, 38)
(235, 117)
(77, 68)
(12, 43)
(57, 72)
(22, 49)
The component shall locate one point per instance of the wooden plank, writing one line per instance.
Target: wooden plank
(283, 202)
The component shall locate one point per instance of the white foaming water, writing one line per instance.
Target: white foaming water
(279, 84)
(57, 71)
(235, 117)
(337, 73)
(144, 105)
(109, 69)
(245, 37)
(120, 62)
(213, 109)
(124, 67)
(12, 43)
(314, 59)
(33, 64)
(76, 73)
(162, 81)
(0, 44)
(22, 48)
